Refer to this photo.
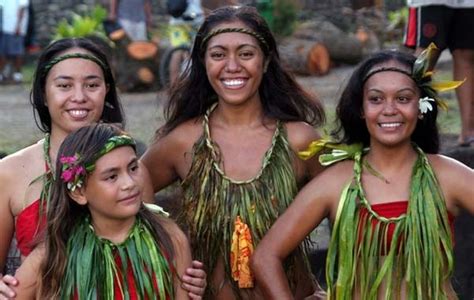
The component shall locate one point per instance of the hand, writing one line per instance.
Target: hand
(6, 282)
(194, 280)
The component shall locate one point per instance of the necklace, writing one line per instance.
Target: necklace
(374, 172)
(47, 177)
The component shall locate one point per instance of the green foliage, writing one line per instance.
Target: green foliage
(285, 15)
(398, 18)
(82, 26)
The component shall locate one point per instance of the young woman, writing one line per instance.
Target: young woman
(73, 87)
(102, 240)
(234, 124)
(392, 206)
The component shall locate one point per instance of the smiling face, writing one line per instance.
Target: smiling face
(75, 92)
(234, 65)
(113, 190)
(390, 106)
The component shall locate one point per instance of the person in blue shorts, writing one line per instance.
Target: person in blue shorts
(13, 30)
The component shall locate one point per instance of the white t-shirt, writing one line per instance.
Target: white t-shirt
(450, 3)
(10, 9)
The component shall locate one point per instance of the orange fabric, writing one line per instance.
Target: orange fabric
(240, 252)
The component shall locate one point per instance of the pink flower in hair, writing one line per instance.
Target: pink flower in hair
(67, 175)
(72, 173)
(68, 159)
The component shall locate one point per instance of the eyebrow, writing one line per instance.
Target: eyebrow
(238, 48)
(115, 169)
(398, 91)
(65, 77)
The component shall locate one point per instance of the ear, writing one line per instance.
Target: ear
(79, 196)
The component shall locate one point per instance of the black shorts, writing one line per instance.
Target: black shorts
(445, 26)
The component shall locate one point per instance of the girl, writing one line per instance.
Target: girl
(73, 86)
(235, 122)
(101, 240)
(393, 206)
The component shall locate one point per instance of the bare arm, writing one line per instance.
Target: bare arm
(456, 181)
(317, 200)
(182, 257)
(300, 135)
(159, 161)
(28, 275)
(113, 10)
(7, 224)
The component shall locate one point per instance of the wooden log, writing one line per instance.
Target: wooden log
(343, 47)
(304, 57)
(136, 63)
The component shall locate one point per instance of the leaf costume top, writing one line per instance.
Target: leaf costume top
(227, 218)
(137, 268)
(420, 253)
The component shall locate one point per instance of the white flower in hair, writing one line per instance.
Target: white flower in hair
(425, 105)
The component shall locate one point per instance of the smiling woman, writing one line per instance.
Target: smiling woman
(391, 200)
(73, 87)
(235, 121)
(65, 96)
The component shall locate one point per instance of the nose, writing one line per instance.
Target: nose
(78, 94)
(390, 107)
(232, 64)
(129, 182)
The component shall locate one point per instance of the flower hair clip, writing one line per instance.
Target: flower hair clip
(425, 105)
(72, 173)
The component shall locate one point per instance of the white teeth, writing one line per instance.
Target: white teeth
(233, 82)
(78, 113)
(389, 125)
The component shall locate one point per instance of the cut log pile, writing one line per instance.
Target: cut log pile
(135, 63)
(318, 43)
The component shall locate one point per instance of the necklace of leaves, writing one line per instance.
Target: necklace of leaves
(47, 177)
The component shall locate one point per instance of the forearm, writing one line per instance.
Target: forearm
(270, 276)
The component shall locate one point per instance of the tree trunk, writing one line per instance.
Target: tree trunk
(135, 63)
(304, 57)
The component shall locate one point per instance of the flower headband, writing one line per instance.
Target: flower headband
(73, 171)
(239, 30)
(422, 77)
(60, 58)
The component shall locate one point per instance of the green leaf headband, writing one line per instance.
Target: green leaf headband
(422, 76)
(239, 30)
(72, 171)
(60, 58)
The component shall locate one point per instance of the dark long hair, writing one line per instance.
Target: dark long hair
(352, 128)
(64, 213)
(282, 98)
(112, 113)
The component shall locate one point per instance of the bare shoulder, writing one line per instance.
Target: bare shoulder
(445, 166)
(301, 134)
(182, 136)
(335, 177)
(21, 163)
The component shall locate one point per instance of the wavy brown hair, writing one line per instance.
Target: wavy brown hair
(281, 96)
(64, 213)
